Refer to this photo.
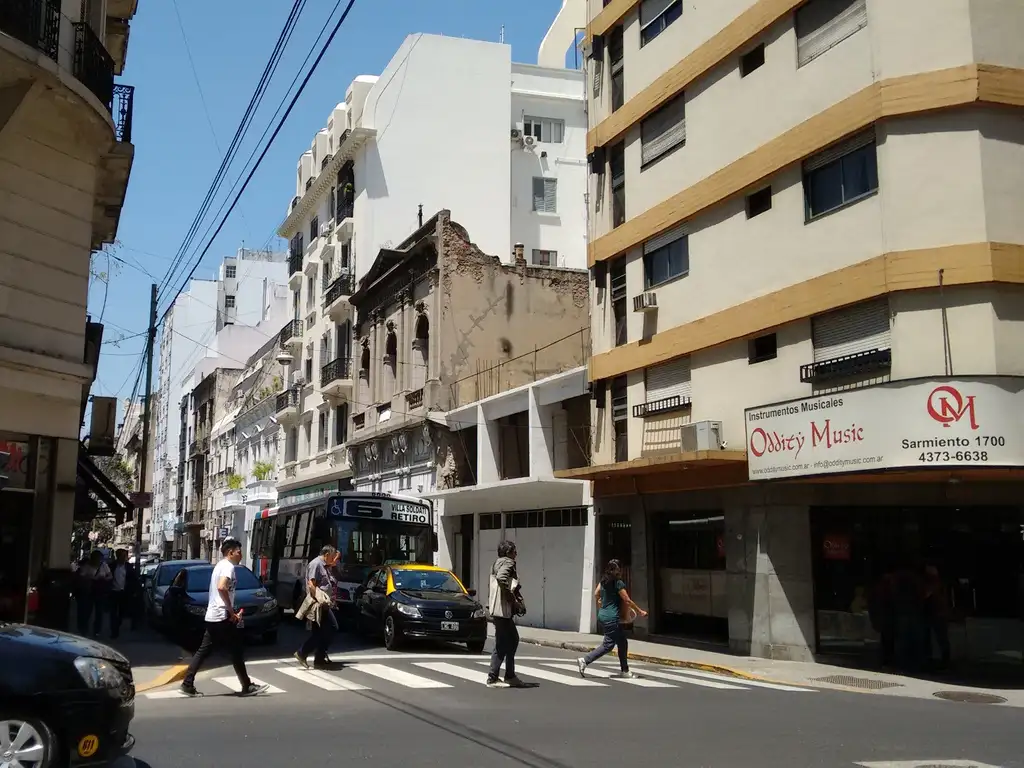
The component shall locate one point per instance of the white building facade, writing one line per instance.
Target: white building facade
(521, 438)
(229, 316)
(503, 150)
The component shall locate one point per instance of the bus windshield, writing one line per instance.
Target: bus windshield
(364, 544)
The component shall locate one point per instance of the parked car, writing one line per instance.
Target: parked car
(420, 601)
(157, 584)
(64, 699)
(185, 602)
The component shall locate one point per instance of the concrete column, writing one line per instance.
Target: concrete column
(588, 617)
(65, 476)
(541, 453)
(445, 536)
(771, 592)
(560, 436)
(642, 572)
(487, 448)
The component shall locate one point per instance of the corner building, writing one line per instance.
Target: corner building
(807, 261)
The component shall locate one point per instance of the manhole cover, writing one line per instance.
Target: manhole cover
(969, 697)
(849, 681)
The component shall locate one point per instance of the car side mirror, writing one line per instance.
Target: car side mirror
(471, 592)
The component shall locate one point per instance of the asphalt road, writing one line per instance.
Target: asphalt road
(428, 707)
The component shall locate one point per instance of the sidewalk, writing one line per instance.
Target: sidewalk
(805, 674)
(156, 661)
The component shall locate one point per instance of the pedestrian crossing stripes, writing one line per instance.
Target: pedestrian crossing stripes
(426, 672)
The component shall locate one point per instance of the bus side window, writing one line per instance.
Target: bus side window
(320, 536)
(300, 540)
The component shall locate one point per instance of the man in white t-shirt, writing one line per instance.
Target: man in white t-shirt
(221, 620)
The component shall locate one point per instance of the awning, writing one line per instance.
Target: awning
(101, 486)
(518, 494)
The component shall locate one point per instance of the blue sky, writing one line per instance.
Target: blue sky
(176, 137)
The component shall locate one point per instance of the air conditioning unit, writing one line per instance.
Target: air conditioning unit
(516, 134)
(325, 229)
(529, 141)
(645, 302)
(702, 436)
(298, 378)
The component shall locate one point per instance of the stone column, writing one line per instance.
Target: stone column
(487, 448)
(541, 446)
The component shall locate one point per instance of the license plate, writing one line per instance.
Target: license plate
(450, 626)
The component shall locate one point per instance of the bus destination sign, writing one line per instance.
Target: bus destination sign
(379, 509)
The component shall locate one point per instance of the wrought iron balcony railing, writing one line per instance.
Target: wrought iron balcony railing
(344, 211)
(291, 330)
(34, 22)
(294, 263)
(93, 66)
(121, 111)
(342, 286)
(288, 399)
(341, 368)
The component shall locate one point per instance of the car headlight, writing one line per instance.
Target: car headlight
(98, 673)
(408, 610)
(196, 610)
(480, 613)
(270, 605)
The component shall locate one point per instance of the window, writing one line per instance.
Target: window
(617, 275)
(310, 291)
(823, 24)
(663, 131)
(759, 202)
(617, 169)
(618, 72)
(545, 258)
(545, 194)
(671, 379)
(853, 330)
(314, 228)
(762, 348)
(307, 435)
(330, 203)
(666, 257)
(229, 272)
(620, 418)
(229, 302)
(309, 370)
(322, 433)
(751, 60)
(544, 129)
(841, 175)
(655, 16)
(341, 424)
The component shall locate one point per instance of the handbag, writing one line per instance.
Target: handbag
(518, 601)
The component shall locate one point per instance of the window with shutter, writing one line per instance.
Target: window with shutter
(666, 257)
(663, 131)
(852, 330)
(840, 175)
(545, 194)
(655, 16)
(823, 24)
(667, 380)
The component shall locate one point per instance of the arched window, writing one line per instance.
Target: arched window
(421, 351)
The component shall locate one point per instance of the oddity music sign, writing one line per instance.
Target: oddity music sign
(925, 423)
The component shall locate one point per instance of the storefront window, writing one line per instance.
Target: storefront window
(691, 587)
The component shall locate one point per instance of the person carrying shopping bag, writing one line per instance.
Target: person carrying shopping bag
(506, 603)
(318, 608)
(615, 610)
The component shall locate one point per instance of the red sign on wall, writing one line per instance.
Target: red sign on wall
(836, 546)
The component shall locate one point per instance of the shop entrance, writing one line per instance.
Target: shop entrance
(960, 568)
(690, 589)
(615, 543)
(15, 533)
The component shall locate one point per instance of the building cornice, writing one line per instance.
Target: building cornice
(310, 200)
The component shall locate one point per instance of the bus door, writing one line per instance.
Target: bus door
(277, 545)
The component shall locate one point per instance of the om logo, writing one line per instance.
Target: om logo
(947, 406)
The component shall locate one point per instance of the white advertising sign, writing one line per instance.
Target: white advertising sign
(933, 423)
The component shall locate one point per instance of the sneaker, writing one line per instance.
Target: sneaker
(514, 682)
(301, 659)
(254, 690)
(497, 684)
(581, 665)
(627, 675)
(189, 690)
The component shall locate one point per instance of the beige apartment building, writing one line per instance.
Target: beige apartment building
(65, 156)
(807, 257)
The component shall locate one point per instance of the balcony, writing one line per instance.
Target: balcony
(295, 270)
(261, 492)
(291, 334)
(414, 399)
(336, 297)
(121, 111)
(35, 22)
(93, 66)
(346, 222)
(874, 361)
(235, 499)
(336, 377)
(288, 406)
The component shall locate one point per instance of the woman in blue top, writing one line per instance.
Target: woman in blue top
(615, 608)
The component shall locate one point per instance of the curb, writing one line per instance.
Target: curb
(716, 668)
(173, 675)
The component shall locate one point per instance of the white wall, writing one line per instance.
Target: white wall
(440, 109)
(557, 95)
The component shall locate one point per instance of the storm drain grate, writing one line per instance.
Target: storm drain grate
(856, 682)
(969, 697)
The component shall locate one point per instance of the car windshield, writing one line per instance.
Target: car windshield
(199, 579)
(429, 581)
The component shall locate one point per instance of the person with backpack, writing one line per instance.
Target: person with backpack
(615, 609)
(506, 603)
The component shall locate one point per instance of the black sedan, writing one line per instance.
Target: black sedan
(185, 601)
(64, 699)
(423, 602)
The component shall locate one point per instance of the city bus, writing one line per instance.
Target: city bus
(368, 529)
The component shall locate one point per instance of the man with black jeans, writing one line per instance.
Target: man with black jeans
(222, 623)
(320, 576)
(503, 583)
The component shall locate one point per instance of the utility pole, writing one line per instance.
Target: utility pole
(146, 415)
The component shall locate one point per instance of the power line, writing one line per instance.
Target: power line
(270, 142)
